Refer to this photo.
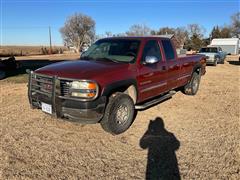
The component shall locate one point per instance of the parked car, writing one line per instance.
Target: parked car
(214, 55)
(114, 78)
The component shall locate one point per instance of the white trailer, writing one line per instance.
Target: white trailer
(229, 45)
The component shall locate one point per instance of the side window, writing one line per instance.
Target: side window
(151, 48)
(168, 49)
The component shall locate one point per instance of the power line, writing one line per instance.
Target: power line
(29, 27)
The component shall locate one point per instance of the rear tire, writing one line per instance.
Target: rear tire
(119, 114)
(191, 88)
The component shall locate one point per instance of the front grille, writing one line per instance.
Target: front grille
(65, 86)
(42, 84)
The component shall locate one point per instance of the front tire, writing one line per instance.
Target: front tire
(222, 61)
(119, 114)
(216, 62)
(191, 88)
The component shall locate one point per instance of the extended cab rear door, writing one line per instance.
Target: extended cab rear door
(173, 65)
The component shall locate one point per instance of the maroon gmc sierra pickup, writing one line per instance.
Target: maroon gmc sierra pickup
(114, 78)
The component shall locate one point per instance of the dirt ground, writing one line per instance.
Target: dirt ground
(200, 140)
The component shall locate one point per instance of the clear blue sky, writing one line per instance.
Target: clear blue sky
(25, 22)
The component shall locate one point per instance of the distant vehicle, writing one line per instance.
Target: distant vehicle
(228, 45)
(214, 55)
(114, 78)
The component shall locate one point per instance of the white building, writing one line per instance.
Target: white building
(229, 45)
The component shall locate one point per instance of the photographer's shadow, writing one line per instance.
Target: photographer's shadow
(161, 144)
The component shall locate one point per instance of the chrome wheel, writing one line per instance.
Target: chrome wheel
(122, 114)
(195, 84)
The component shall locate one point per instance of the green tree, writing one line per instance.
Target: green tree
(216, 33)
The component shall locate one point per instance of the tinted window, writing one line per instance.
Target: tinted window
(208, 50)
(152, 49)
(122, 50)
(168, 49)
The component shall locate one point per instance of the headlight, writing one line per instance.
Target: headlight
(84, 89)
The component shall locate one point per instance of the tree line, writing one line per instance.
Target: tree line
(79, 29)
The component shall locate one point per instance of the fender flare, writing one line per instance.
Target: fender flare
(195, 67)
(120, 86)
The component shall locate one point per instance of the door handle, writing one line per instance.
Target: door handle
(174, 66)
(148, 75)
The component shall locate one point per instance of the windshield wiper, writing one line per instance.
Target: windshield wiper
(109, 59)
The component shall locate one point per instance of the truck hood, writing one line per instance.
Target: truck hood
(83, 69)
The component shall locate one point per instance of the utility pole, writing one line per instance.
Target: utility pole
(50, 40)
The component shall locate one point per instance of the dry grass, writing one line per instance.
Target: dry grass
(6, 51)
(36, 146)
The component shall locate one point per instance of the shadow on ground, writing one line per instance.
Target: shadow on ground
(161, 144)
(234, 63)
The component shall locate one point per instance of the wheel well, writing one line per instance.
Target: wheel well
(130, 90)
(197, 70)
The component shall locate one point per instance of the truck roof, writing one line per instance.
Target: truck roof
(142, 37)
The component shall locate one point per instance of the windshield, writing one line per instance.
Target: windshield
(208, 50)
(117, 50)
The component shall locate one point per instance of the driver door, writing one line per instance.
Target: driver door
(152, 76)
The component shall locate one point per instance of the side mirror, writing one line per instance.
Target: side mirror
(82, 54)
(151, 60)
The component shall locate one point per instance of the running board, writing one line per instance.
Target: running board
(155, 101)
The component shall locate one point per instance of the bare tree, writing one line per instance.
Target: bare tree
(196, 29)
(77, 30)
(226, 32)
(235, 25)
(119, 34)
(180, 34)
(138, 30)
(166, 30)
(108, 34)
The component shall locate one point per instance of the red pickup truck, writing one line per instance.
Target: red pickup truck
(114, 78)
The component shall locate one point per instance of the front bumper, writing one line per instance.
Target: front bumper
(67, 108)
(210, 61)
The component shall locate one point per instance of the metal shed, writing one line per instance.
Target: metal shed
(229, 45)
